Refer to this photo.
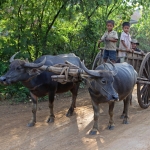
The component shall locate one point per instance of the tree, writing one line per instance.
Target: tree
(52, 27)
(140, 31)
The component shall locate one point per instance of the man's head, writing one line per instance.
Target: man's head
(110, 25)
(126, 27)
(134, 43)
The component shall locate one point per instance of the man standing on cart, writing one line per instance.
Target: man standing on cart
(134, 44)
(109, 38)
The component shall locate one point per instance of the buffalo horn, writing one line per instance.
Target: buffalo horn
(12, 57)
(114, 71)
(35, 65)
(90, 72)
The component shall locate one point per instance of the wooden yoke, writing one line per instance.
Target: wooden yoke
(67, 72)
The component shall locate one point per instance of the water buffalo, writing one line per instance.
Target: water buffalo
(40, 83)
(105, 86)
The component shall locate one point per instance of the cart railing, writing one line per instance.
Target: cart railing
(134, 58)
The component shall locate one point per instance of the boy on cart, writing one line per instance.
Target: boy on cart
(109, 38)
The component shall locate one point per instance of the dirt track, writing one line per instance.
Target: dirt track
(72, 133)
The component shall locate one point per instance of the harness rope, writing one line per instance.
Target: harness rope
(65, 71)
(89, 84)
(34, 86)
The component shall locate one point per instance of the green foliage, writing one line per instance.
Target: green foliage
(52, 27)
(14, 93)
(82, 85)
(141, 31)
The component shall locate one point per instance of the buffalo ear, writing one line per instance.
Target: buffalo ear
(88, 78)
(34, 71)
(27, 60)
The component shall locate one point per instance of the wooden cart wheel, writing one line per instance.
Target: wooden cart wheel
(143, 90)
(98, 60)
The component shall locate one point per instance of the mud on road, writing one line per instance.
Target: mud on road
(72, 133)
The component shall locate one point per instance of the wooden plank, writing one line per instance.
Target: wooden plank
(137, 58)
(135, 52)
(143, 82)
(144, 79)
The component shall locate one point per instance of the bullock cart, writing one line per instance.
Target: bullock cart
(141, 63)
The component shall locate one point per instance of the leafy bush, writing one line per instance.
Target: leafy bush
(42, 27)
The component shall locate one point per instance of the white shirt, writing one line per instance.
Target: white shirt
(127, 39)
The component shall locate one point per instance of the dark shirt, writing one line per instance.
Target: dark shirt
(138, 50)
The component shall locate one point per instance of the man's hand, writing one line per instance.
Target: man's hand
(111, 39)
(107, 39)
(142, 53)
(132, 50)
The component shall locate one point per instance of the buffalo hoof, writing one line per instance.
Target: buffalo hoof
(50, 120)
(93, 132)
(110, 127)
(125, 121)
(69, 113)
(30, 124)
(122, 117)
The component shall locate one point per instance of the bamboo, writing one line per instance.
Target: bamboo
(62, 79)
(58, 70)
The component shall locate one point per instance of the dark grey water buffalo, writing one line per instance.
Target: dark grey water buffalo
(107, 87)
(40, 83)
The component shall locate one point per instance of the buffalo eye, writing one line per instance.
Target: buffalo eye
(103, 81)
(18, 68)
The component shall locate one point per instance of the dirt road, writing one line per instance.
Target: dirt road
(72, 133)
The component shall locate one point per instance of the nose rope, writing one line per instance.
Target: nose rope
(105, 90)
(96, 90)
(35, 87)
(30, 78)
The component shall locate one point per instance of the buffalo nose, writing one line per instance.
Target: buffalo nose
(2, 78)
(115, 97)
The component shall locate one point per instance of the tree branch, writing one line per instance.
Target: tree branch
(19, 27)
(112, 9)
(92, 13)
(54, 19)
(40, 22)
